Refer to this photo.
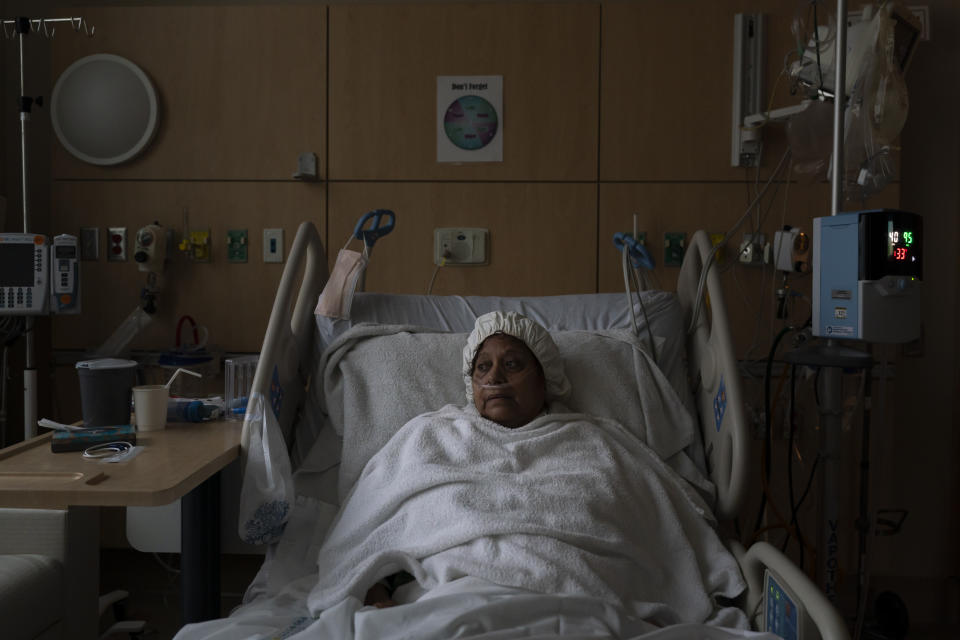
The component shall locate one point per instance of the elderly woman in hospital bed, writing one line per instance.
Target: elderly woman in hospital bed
(511, 516)
(507, 384)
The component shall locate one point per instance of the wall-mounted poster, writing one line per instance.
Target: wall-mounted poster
(469, 118)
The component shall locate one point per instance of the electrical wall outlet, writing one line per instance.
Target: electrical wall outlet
(273, 245)
(117, 244)
(673, 248)
(237, 245)
(460, 245)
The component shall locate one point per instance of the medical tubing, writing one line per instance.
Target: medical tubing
(650, 280)
(628, 275)
(626, 286)
(106, 450)
(794, 527)
(443, 262)
(803, 496)
(863, 519)
(695, 316)
(646, 318)
(767, 453)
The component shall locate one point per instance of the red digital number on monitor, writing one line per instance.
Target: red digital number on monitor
(900, 253)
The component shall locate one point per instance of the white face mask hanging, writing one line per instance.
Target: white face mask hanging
(337, 296)
(336, 299)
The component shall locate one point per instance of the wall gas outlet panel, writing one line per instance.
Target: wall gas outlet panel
(752, 248)
(673, 247)
(198, 245)
(273, 245)
(460, 245)
(237, 245)
(641, 236)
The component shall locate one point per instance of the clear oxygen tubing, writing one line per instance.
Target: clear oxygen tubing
(626, 287)
(629, 274)
(494, 387)
(713, 254)
(433, 278)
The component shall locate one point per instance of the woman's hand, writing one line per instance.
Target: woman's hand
(379, 597)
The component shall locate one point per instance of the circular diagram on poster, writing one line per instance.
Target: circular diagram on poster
(470, 122)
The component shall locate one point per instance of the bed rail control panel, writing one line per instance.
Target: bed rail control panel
(783, 615)
(64, 278)
(24, 274)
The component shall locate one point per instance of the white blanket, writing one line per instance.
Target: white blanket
(567, 504)
(466, 608)
(568, 527)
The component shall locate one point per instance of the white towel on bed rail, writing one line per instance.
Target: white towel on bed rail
(567, 505)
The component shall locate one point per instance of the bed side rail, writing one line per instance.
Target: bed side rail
(824, 616)
(288, 341)
(715, 378)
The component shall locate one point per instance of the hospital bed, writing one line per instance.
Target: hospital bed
(329, 393)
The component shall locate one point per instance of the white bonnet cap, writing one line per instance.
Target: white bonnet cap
(532, 334)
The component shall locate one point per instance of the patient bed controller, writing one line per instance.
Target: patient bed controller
(783, 615)
(27, 287)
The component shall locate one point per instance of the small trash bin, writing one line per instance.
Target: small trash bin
(105, 388)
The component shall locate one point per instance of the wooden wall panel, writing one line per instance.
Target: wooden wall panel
(667, 83)
(716, 207)
(232, 300)
(242, 89)
(542, 236)
(383, 68)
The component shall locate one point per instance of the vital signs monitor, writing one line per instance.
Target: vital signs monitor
(867, 275)
(24, 274)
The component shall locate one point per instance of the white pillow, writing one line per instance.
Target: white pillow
(587, 311)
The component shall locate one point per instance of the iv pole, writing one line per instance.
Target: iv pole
(832, 358)
(21, 28)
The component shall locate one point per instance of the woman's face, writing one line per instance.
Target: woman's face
(508, 383)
